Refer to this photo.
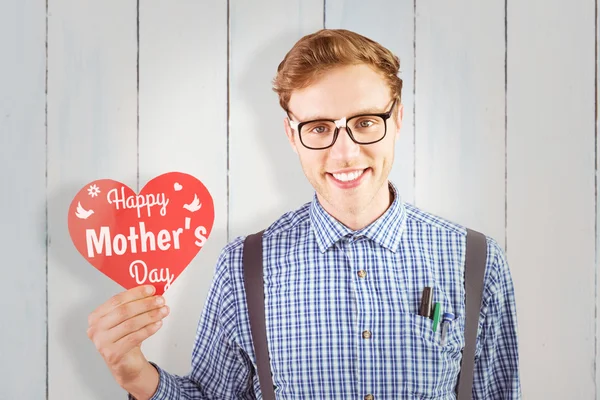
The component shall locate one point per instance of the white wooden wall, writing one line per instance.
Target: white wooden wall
(499, 134)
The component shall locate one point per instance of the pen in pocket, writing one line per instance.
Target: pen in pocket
(447, 319)
(426, 299)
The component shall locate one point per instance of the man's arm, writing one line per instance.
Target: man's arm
(220, 368)
(496, 373)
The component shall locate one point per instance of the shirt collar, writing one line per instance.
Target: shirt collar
(385, 231)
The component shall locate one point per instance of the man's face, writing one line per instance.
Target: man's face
(344, 92)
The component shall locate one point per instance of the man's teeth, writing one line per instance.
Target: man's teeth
(348, 177)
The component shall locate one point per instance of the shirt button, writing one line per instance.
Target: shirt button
(369, 397)
(366, 334)
(362, 273)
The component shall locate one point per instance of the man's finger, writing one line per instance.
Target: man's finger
(129, 310)
(127, 296)
(136, 338)
(136, 323)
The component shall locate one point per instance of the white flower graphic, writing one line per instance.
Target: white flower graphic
(93, 191)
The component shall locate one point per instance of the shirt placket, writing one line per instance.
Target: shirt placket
(366, 355)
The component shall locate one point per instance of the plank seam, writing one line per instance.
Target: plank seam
(414, 108)
(137, 68)
(228, 119)
(506, 126)
(596, 195)
(46, 212)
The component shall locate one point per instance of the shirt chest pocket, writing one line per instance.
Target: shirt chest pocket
(422, 329)
(434, 366)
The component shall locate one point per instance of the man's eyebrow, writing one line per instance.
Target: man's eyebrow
(369, 110)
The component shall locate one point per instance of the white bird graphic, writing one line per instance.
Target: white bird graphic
(194, 205)
(82, 213)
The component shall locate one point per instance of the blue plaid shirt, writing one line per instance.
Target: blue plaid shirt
(342, 314)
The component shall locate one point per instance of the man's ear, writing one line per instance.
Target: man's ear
(399, 118)
(290, 134)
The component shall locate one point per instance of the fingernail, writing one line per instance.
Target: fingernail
(163, 310)
(149, 289)
(160, 300)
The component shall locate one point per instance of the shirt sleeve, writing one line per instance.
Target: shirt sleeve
(220, 368)
(496, 374)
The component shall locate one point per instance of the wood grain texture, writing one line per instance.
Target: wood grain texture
(23, 199)
(265, 177)
(551, 194)
(92, 134)
(183, 127)
(395, 30)
(460, 110)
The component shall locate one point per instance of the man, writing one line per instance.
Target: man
(343, 274)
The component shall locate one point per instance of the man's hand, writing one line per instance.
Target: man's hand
(118, 327)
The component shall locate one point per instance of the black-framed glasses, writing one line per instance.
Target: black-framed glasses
(363, 129)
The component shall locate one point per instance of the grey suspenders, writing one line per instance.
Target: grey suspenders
(475, 260)
(255, 297)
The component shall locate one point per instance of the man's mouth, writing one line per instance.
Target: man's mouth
(348, 176)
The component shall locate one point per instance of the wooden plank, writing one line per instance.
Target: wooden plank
(265, 177)
(459, 122)
(352, 14)
(551, 209)
(183, 127)
(92, 134)
(23, 198)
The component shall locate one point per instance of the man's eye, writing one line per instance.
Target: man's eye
(366, 123)
(318, 129)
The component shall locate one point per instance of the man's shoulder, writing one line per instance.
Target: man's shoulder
(421, 219)
(293, 220)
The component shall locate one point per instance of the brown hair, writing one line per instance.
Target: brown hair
(325, 49)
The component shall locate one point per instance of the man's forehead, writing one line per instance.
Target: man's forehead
(335, 107)
(341, 92)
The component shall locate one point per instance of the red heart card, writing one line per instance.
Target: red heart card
(145, 238)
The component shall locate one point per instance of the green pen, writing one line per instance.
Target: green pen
(436, 315)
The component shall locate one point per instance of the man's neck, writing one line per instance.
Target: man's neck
(361, 218)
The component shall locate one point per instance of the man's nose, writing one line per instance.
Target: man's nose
(344, 147)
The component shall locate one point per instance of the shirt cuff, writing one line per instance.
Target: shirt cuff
(168, 387)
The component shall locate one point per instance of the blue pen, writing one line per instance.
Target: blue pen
(446, 320)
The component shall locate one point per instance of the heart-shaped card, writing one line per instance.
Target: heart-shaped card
(145, 238)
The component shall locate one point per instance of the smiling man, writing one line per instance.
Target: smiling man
(343, 274)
